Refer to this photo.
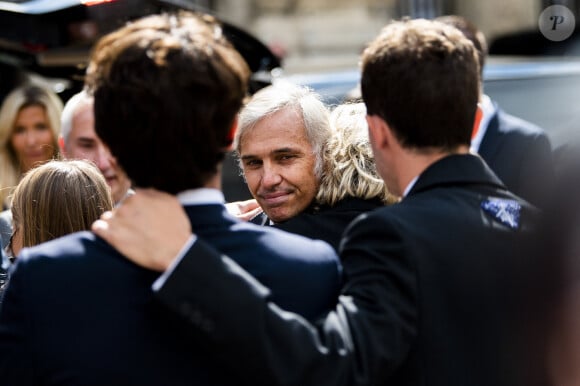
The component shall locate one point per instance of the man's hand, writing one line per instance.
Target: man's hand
(149, 228)
(244, 210)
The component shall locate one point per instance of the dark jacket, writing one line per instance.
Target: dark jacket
(432, 294)
(520, 154)
(76, 312)
(324, 222)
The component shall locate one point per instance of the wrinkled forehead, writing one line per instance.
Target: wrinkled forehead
(283, 129)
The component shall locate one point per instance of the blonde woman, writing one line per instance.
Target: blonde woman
(349, 167)
(29, 129)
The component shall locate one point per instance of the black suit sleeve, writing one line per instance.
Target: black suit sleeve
(17, 362)
(360, 342)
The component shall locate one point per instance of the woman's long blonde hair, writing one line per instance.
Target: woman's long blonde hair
(19, 98)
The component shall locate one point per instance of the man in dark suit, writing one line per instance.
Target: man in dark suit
(519, 152)
(167, 89)
(433, 284)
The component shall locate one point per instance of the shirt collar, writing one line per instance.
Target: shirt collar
(201, 196)
(410, 186)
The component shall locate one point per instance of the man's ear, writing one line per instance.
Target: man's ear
(231, 135)
(477, 121)
(378, 131)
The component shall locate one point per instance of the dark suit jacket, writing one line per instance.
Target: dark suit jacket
(324, 222)
(520, 153)
(432, 289)
(77, 313)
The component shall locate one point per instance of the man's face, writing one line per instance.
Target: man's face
(83, 143)
(278, 164)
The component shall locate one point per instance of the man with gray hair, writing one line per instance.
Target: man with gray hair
(79, 140)
(280, 139)
(281, 142)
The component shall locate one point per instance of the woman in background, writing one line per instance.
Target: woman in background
(29, 129)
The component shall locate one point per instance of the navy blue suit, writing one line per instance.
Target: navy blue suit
(76, 312)
(520, 154)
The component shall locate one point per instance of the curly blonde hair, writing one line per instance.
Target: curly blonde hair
(349, 167)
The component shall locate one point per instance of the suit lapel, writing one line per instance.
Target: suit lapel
(260, 219)
(491, 142)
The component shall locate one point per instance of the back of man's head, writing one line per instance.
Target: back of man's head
(167, 89)
(422, 78)
(471, 32)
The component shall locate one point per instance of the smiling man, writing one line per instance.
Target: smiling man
(280, 141)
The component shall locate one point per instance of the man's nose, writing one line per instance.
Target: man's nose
(104, 159)
(270, 175)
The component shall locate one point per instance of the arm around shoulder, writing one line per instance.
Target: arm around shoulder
(359, 342)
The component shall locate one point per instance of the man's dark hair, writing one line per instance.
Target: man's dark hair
(471, 32)
(167, 90)
(422, 78)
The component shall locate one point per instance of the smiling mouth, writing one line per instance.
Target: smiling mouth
(273, 200)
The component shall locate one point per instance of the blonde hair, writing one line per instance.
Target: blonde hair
(58, 198)
(349, 166)
(19, 98)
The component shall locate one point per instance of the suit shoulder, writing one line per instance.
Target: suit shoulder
(280, 241)
(75, 245)
(291, 240)
(512, 123)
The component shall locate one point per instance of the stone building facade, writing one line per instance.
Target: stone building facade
(315, 35)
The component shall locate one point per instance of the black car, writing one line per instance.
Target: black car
(52, 38)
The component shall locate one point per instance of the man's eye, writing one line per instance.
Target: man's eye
(253, 163)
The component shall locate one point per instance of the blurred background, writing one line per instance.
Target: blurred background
(324, 34)
(310, 42)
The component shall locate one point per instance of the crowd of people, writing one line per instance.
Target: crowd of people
(400, 239)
